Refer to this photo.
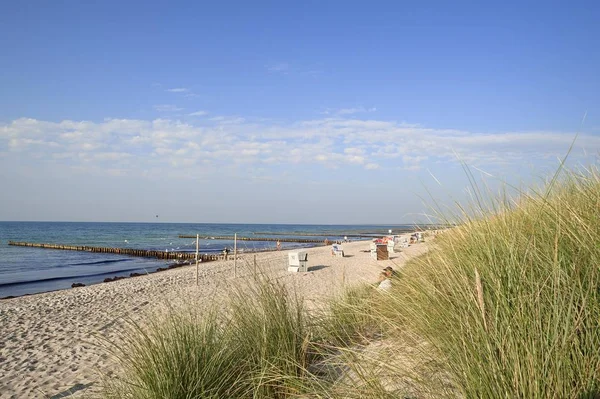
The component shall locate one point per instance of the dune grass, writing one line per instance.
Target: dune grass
(177, 356)
(506, 305)
(511, 300)
(348, 319)
(255, 347)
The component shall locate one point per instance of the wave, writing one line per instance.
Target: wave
(74, 277)
(100, 262)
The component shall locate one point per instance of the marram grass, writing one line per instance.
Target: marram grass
(255, 348)
(506, 305)
(512, 300)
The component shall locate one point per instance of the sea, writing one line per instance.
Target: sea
(26, 270)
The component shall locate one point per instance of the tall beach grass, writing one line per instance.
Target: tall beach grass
(505, 305)
(256, 346)
(511, 300)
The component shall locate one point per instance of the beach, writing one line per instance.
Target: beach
(55, 343)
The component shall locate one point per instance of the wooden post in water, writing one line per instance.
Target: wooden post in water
(197, 244)
(235, 255)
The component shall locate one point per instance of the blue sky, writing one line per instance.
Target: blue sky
(113, 111)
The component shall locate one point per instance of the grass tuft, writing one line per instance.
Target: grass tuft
(256, 347)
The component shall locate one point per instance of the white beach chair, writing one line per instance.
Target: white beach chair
(390, 246)
(373, 248)
(337, 250)
(297, 262)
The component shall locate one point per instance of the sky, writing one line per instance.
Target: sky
(325, 112)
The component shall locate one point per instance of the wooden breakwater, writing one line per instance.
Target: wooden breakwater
(371, 234)
(124, 251)
(283, 239)
(365, 235)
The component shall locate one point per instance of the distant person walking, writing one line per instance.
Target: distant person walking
(278, 245)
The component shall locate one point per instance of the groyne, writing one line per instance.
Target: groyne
(282, 239)
(365, 235)
(124, 251)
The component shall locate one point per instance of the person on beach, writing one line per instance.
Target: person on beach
(385, 282)
(278, 245)
(389, 272)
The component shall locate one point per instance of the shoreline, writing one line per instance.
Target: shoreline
(210, 257)
(167, 267)
(22, 278)
(53, 341)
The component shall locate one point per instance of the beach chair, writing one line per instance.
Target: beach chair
(390, 246)
(337, 250)
(297, 262)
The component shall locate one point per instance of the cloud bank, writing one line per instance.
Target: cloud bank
(138, 147)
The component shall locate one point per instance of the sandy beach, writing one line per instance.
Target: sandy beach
(50, 343)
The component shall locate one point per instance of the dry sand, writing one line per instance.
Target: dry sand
(50, 344)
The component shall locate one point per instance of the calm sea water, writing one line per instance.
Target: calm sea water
(26, 270)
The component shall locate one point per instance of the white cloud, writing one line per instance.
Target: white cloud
(111, 156)
(355, 159)
(198, 113)
(228, 120)
(167, 108)
(413, 162)
(144, 146)
(178, 90)
(354, 151)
